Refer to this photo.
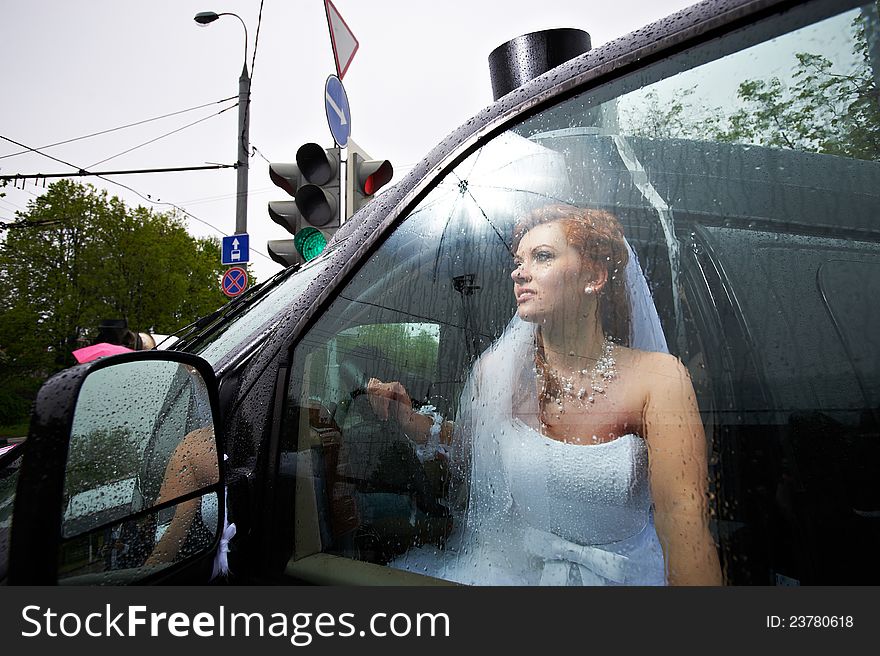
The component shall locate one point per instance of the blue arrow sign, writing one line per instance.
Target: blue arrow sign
(338, 111)
(235, 250)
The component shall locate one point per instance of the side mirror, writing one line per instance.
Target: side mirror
(121, 478)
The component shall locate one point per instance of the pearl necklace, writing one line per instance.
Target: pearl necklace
(602, 373)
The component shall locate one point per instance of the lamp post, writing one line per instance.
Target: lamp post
(244, 98)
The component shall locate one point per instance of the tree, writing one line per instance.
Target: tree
(676, 119)
(77, 256)
(821, 111)
(821, 108)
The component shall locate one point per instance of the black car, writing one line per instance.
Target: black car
(738, 143)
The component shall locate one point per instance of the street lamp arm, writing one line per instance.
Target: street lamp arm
(226, 13)
(206, 17)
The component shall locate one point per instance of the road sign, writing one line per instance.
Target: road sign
(338, 111)
(341, 37)
(235, 281)
(235, 249)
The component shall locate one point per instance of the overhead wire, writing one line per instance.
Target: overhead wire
(132, 190)
(14, 205)
(247, 108)
(257, 151)
(184, 211)
(147, 198)
(256, 40)
(121, 127)
(234, 194)
(39, 152)
(167, 134)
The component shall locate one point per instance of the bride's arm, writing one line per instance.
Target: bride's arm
(679, 474)
(192, 465)
(392, 400)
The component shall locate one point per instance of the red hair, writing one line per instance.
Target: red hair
(598, 236)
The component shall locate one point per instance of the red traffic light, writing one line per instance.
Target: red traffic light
(378, 178)
(372, 175)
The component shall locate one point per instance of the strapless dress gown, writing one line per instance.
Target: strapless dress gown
(574, 515)
(586, 509)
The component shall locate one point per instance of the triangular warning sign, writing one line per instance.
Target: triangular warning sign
(342, 38)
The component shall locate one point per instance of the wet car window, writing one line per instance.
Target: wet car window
(703, 227)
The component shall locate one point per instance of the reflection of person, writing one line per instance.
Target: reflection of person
(115, 547)
(392, 400)
(192, 466)
(584, 458)
(147, 342)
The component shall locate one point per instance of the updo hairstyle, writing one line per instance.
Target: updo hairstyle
(598, 236)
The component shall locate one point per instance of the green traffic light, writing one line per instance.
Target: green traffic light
(309, 243)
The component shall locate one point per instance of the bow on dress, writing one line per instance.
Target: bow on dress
(564, 561)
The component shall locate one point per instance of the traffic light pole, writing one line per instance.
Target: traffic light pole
(244, 95)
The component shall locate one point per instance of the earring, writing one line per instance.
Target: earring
(589, 289)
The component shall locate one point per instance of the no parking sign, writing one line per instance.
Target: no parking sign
(235, 281)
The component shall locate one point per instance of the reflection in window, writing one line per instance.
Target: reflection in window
(814, 90)
(142, 436)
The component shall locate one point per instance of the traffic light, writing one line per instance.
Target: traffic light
(313, 216)
(364, 177)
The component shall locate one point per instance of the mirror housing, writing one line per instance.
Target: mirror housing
(129, 409)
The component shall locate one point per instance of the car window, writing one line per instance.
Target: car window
(426, 428)
(856, 323)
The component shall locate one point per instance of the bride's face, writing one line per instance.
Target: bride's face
(550, 275)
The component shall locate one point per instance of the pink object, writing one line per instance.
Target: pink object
(89, 353)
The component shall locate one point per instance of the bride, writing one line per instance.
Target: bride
(579, 460)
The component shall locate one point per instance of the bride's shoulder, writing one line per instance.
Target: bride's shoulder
(513, 345)
(649, 363)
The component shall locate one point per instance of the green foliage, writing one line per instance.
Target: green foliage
(821, 111)
(101, 457)
(76, 257)
(821, 108)
(677, 119)
(409, 348)
(16, 395)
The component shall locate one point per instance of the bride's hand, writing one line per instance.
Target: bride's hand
(389, 399)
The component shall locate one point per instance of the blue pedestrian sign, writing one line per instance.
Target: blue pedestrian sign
(338, 111)
(235, 281)
(235, 250)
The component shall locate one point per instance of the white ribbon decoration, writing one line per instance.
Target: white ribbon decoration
(221, 561)
(560, 556)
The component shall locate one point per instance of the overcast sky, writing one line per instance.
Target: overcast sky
(73, 68)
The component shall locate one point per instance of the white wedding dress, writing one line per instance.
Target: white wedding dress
(586, 510)
(530, 510)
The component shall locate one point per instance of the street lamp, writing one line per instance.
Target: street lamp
(244, 99)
